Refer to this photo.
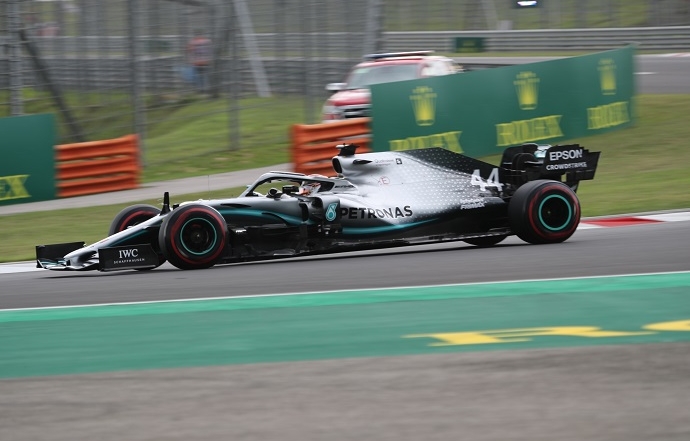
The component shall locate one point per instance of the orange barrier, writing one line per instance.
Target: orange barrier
(97, 166)
(313, 146)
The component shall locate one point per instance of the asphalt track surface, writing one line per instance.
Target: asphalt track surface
(626, 392)
(653, 248)
(654, 74)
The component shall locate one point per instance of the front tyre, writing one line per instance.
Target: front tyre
(193, 236)
(131, 216)
(544, 211)
(134, 215)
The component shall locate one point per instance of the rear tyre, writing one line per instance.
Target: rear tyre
(544, 211)
(193, 236)
(134, 215)
(487, 241)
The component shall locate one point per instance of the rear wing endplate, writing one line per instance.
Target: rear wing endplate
(530, 162)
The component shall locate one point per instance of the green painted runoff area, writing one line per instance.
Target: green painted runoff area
(366, 323)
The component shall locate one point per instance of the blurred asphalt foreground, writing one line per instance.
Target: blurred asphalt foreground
(150, 190)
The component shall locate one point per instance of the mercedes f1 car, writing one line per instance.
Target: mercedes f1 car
(375, 200)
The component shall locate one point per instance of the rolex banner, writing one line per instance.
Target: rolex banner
(482, 112)
(27, 168)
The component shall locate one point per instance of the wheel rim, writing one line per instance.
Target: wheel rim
(555, 212)
(198, 236)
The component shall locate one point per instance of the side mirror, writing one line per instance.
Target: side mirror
(335, 87)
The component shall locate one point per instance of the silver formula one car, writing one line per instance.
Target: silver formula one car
(376, 200)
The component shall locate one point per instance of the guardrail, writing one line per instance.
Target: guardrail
(672, 39)
(97, 166)
(335, 44)
(111, 69)
(313, 145)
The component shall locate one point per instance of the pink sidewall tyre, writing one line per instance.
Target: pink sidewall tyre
(544, 211)
(193, 236)
(131, 216)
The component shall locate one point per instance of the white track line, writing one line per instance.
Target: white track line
(25, 267)
(334, 291)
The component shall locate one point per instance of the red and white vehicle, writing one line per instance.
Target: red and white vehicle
(351, 99)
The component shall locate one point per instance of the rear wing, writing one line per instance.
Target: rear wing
(569, 163)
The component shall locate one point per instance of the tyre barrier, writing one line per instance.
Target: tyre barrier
(313, 145)
(97, 166)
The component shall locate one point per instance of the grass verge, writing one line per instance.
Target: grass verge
(642, 168)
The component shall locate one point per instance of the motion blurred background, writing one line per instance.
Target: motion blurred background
(107, 68)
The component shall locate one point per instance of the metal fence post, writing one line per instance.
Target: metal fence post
(15, 58)
(139, 123)
(373, 31)
(307, 30)
(252, 48)
(234, 78)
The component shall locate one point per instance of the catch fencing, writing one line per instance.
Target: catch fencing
(108, 68)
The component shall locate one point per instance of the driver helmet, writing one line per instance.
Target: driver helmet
(307, 188)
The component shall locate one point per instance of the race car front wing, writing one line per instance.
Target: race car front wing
(74, 256)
